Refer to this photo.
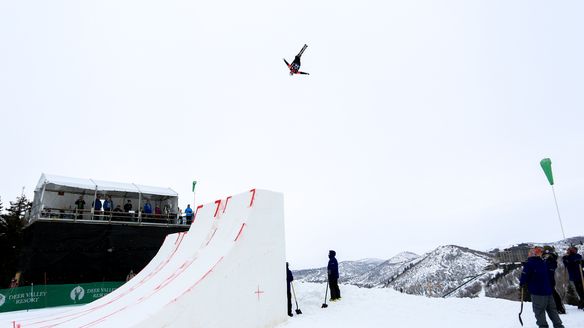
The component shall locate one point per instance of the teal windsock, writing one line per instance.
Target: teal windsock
(546, 165)
(194, 184)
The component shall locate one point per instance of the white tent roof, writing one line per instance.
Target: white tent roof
(56, 180)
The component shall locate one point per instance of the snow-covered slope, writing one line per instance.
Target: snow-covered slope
(380, 275)
(441, 271)
(385, 307)
(347, 271)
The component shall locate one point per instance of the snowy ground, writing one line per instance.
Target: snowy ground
(362, 307)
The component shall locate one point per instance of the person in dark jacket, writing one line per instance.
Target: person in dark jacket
(128, 206)
(80, 205)
(573, 263)
(333, 276)
(551, 259)
(536, 276)
(289, 279)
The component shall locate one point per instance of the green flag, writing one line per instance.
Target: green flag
(546, 165)
(194, 183)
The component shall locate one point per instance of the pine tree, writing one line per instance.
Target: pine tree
(11, 225)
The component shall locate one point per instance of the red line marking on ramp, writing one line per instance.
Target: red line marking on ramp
(197, 282)
(240, 230)
(76, 315)
(213, 235)
(226, 201)
(218, 202)
(197, 211)
(252, 197)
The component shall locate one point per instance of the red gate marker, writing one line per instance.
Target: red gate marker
(226, 201)
(252, 197)
(197, 211)
(239, 233)
(218, 202)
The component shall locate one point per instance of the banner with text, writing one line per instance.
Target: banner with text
(36, 297)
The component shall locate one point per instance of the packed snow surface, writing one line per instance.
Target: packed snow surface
(385, 307)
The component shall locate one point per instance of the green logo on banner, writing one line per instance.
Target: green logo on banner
(77, 294)
(2, 299)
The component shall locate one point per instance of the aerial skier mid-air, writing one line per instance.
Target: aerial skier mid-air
(295, 66)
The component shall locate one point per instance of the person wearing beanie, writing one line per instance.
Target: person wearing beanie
(573, 263)
(551, 259)
(536, 277)
(289, 279)
(333, 276)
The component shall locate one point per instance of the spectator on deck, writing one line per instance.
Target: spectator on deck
(147, 207)
(80, 205)
(13, 283)
(157, 211)
(108, 205)
(189, 214)
(97, 204)
(118, 208)
(128, 206)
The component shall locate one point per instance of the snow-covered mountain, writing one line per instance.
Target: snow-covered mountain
(433, 274)
(347, 270)
(443, 270)
(446, 271)
(380, 275)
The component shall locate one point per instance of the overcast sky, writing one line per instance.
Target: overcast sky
(422, 122)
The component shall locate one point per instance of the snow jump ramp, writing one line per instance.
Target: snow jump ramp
(226, 271)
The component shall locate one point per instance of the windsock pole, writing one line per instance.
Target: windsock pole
(546, 165)
(194, 184)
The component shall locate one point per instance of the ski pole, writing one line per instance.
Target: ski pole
(581, 277)
(324, 305)
(295, 300)
(521, 311)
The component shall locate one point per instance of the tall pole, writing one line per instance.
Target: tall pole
(546, 165)
(558, 211)
(194, 184)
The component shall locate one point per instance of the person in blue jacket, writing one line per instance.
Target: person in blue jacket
(108, 205)
(147, 207)
(289, 279)
(189, 214)
(573, 263)
(333, 276)
(535, 276)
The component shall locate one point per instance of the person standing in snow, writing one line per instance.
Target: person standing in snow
(573, 263)
(333, 276)
(551, 259)
(289, 279)
(535, 276)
